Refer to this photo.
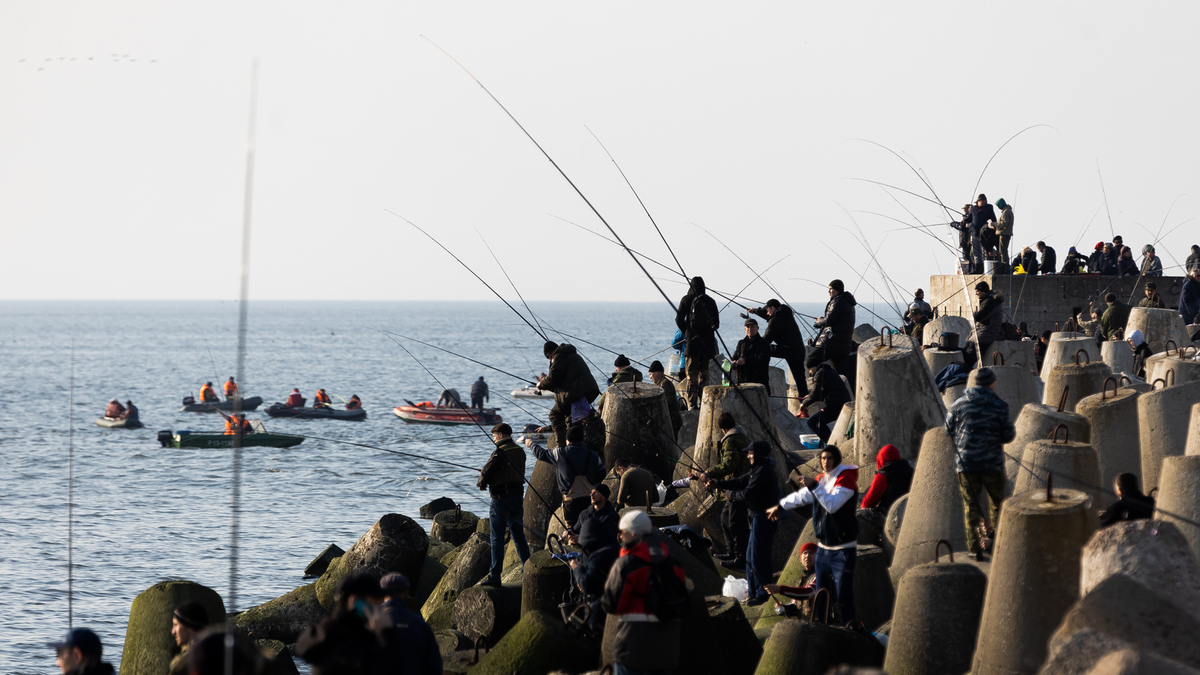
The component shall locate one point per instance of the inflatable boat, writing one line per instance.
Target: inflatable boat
(190, 405)
(118, 423)
(426, 412)
(532, 392)
(281, 410)
(187, 439)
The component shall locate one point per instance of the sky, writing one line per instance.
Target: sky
(124, 125)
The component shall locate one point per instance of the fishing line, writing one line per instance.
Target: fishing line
(210, 360)
(481, 363)
(538, 330)
(1103, 192)
(559, 169)
(1010, 140)
(71, 495)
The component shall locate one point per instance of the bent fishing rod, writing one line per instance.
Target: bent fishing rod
(540, 331)
(440, 349)
(557, 168)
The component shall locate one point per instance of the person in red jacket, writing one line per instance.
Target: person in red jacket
(295, 400)
(808, 583)
(893, 478)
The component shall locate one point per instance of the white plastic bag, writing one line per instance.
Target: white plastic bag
(738, 589)
(662, 494)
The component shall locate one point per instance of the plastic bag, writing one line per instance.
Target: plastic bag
(738, 589)
(662, 494)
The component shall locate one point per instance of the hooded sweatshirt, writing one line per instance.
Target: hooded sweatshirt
(699, 320)
(892, 480)
(835, 519)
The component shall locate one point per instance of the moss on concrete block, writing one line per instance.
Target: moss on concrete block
(283, 618)
(537, 645)
(149, 646)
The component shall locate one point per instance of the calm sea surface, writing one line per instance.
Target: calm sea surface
(144, 514)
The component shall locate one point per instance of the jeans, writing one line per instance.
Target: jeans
(506, 513)
(969, 486)
(835, 573)
(735, 525)
(758, 554)
(621, 669)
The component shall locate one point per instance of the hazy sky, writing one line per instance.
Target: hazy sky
(123, 141)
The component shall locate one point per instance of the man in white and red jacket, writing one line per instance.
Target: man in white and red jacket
(834, 498)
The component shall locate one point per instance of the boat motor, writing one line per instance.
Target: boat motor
(189, 400)
(166, 437)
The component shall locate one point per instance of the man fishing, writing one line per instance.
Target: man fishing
(231, 389)
(573, 386)
(752, 358)
(208, 394)
(699, 320)
(982, 214)
(322, 400)
(839, 319)
(784, 337)
(659, 377)
(236, 422)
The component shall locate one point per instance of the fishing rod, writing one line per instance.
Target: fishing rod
(559, 169)
(861, 277)
(210, 360)
(71, 495)
(440, 349)
(460, 262)
(539, 330)
(593, 344)
(739, 258)
(639, 198)
(920, 177)
(1103, 192)
(756, 278)
(874, 258)
(1010, 140)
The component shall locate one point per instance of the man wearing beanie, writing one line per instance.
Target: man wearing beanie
(980, 426)
(839, 345)
(731, 463)
(576, 470)
(504, 477)
(624, 373)
(827, 387)
(417, 646)
(645, 640)
(752, 358)
(659, 377)
(596, 532)
(573, 386)
(187, 621)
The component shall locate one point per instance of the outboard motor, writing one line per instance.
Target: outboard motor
(165, 437)
(189, 400)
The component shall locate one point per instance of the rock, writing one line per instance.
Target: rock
(947, 324)
(448, 559)
(484, 526)
(798, 648)
(279, 658)
(438, 548)
(454, 526)
(441, 619)
(471, 565)
(149, 646)
(703, 578)
(727, 624)
(639, 427)
(1179, 492)
(450, 641)
(1035, 422)
(545, 580)
(938, 606)
(538, 644)
(864, 332)
(437, 506)
(895, 518)
(787, 533)
(874, 594)
(431, 573)
(321, 563)
(1080, 652)
(934, 510)
(1158, 326)
(395, 543)
(1151, 552)
(687, 433)
(1129, 662)
(488, 611)
(1163, 416)
(283, 618)
(542, 498)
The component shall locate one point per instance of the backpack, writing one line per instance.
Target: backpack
(700, 323)
(666, 594)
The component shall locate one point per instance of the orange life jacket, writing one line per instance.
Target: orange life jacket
(321, 397)
(295, 400)
(230, 388)
(353, 404)
(230, 426)
(207, 395)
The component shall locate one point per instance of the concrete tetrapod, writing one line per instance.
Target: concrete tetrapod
(1036, 421)
(1151, 552)
(283, 618)
(864, 332)
(1193, 434)
(469, 566)
(395, 543)
(842, 433)
(1184, 369)
(938, 606)
(751, 408)
(488, 611)
(895, 518)
(149, 646)
(639, 427)
(938, 359)
(1073, 465)
(727, 624)
(1022, 353)
(1118, 355)
(1015, 385)
(934, 511)
(946, 324)
(952, 394)
(1077, 380)
(1034, 579)
(1113, 432)
(542, 498)
(797, 647)
(545, 580)
(1163, 418)
(1158, 326)
(454, 526)
(1179, 497)
(1062, 350)
(538, 644)
(897, 401)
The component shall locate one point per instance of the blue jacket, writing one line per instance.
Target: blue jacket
(418, 647)
(1189, 301)
(569, 462)
(980, 426)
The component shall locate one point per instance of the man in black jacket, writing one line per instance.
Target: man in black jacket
(346, 641)
(1049, 258)
(839, 319)
(752, 358)
(784, 336)
(573, 386)
(596, 533)
(981, 214)
(828, 388)
(79, 653)
(988, 318)
(576, 470)
(759, 490)
(699, 320)
(503, 476)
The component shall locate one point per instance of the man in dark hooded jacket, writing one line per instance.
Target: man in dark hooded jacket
(839, 319)
(699, 320)
(988, 318)
(573, 386)
(784, 335)
(752, 358)
(758, 488)
(828, 388)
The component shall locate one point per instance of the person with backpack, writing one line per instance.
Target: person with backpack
(758, 489)
(576, 470)
(699, 320)
(646, 591)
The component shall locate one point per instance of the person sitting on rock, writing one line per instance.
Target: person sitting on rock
(79, 653)
(1131, 504)
(208, 394)
(637, 484)
(576, 470)
(758, 489)
(596, 532)
(346, 641)
(829, 388)
(114, 409)
(731, 462)
(321, 400)
(658, 376)
(752, 357)
(1141, 352)
(808, 578)
(893, 478)
(355, 403)
(187, 621)
(413, 637)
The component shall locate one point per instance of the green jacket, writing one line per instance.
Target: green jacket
(1114, 319)
(504, 473)
(672, 403)
(630, 374)
(733, 462)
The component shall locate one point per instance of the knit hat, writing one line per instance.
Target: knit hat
(549, 348)
(1099, 246)
(983, 286)
(815, 356)
(1001, 203)
(772, 303)
(837, 285)
(984, 377)
(726, 421)
(759, 448)
(394, 584)
(192, 614)
(636, 522)
(621, 361)
(810, 547)
(656, 367)
(603, 489)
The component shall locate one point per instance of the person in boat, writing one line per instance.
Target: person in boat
(231, 389)
(130, 413)
(114, 410)
(479, 393)
(355, 403)
(208, 394)
(449, 398)
(295, 400)
(236, 421)
(321, 400)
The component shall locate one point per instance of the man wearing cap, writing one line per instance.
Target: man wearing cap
(784, 337)
(1004, 227)
(731, 462)
(503, 475)
(573, 386)
(346, 641)
(625, 372)
(829, 388)
(576, 470)
(1152, 299)
(758, 488)
(79, 654)
(187, 621)
(979, 425)
(699, 320)
(659, 377)
(596, 532)
(982, 214)
(839, 319)
(414, 639)
(642, 642)
(988, 318)
(752, 358)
